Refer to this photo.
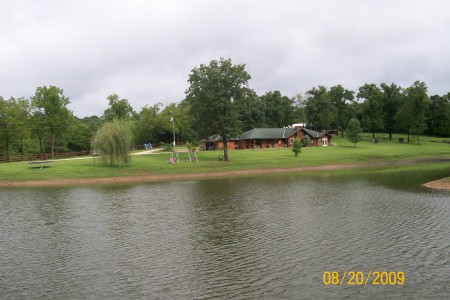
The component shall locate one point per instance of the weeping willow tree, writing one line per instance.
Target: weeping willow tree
(113, 142)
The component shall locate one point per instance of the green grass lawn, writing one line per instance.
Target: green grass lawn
(342, 152)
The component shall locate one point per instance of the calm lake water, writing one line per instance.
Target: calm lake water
(265, 237)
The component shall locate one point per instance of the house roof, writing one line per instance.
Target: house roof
(268, 133)
(213, 138)
(313, 134)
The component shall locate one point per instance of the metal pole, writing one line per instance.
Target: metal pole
(173, 127)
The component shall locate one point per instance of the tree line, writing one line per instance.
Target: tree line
(219, 100)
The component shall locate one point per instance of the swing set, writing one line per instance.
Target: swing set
(175, 158)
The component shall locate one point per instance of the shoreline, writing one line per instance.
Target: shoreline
(180, 177)
(439, 184)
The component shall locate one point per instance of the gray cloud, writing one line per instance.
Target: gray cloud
(145, 50)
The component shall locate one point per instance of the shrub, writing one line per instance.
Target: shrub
(354, 131)
(167, 147)
(306, 140)
(113, 142)
(190, 146)
(296, 147)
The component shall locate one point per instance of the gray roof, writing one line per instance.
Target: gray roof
(313, 134)
(268, 133)
(213, 138)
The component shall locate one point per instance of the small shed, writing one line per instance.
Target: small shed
(215, 142)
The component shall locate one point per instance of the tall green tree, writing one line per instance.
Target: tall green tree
(118, 109)
(392, 97)
(38, 130)
(20, 113)
(341, 97)
(113, 142)
(417, 103)
(213, 93)
(279, 110)
(354, 131)
(438, 115)
(147, 124)
(51, 104)
(372, 108)
(79, 136)
(251, 110)
(14, 127)
(301, 102)
(175, 118)
(4, 132)
(320, 111)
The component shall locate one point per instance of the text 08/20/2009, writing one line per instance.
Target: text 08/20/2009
(361, 278)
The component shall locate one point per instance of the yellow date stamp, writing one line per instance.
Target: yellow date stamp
(361, 278)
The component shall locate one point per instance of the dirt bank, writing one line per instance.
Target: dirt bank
(173, 177)
(195, 176)
(442, 184)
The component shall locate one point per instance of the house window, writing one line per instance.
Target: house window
(291, 141)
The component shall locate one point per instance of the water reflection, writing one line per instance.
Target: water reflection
(259, 237)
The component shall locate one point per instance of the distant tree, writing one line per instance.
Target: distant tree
(146, 129)
(251, 112)
(301, 102)
(354, 131)
(4, 132)
(404, 117)
(417, 100)
(38, 130)
(118, 109)
(93, 123)
(14, 114)
(296, 147)
(20, 119)
(392, 96)
(320, 111)
(438, 115)
(213, 93)
(340, 98)
(279, 111)
(51, 105)
(113, 142)
(79, 138)
(372, 108)
(173, 118)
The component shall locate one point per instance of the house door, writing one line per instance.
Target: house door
(324, 142)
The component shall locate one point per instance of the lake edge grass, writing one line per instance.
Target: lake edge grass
(341, 153)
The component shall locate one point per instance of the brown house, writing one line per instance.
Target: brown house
(281, 137)
(317, 138)
(268, 138)
(215, 142)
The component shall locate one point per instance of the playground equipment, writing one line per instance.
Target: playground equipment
(192, 158)
(175, 157)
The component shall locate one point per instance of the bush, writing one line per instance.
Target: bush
(190, 146)
(354, 131)
(167, 147)
(296, 147)
(113, 142)
(306, 140)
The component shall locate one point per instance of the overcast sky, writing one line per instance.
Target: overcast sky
(144, 50)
